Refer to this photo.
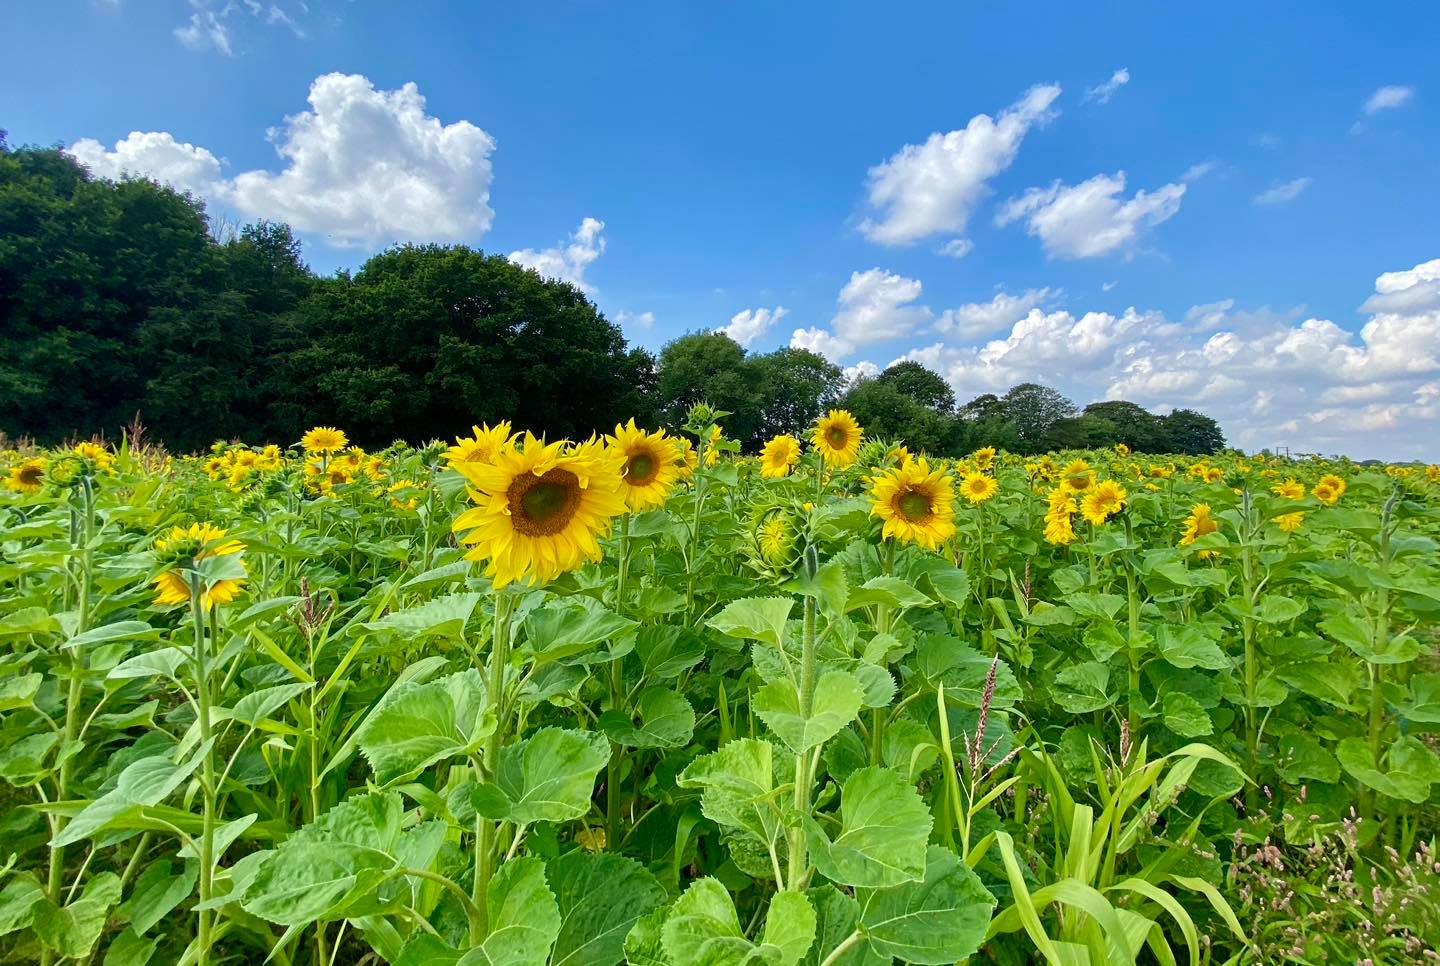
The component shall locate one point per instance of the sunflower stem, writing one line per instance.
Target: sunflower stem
(617, 696)
(486, 831)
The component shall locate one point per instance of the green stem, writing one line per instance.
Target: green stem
(487, 832)
(207, 763)
(617, 697)
(799, 863)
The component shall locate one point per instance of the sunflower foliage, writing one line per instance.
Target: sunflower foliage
(642, 698)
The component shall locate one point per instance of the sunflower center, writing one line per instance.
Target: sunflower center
(30, 475)
(641, 470)
(543, 506)
(913, 505)
(836, 437)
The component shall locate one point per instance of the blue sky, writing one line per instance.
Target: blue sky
(1279, 162)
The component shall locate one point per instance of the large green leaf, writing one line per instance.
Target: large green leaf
(1083, 688)
(421, 724)
(72, 930)
(441, 617)
(702, 929)
(1411, 767)
(755, 619)
(524, 917)
(600, 897)
(836, 918)
(890, 591)
(884, 826)
(548, 777)
(662, 719)
(739, 784)
(940, 919)
(148, 781)
(1359, 636)
(837, 700)
(566, 628)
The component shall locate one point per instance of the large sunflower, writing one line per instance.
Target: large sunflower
(324, 439)
(188, 545)
(978, 487)
(485, 443)
(779, 456)
(837, 436)
(1198, 524)
(647, 465)
(1291, 489)
(540, 509)
(27, 476)
(916, 503)
(1103, 502)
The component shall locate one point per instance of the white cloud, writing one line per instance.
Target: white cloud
(1107, 286)
(976, 319)
(1102, 93)
(1282, 193)
(874, 306)
(210, 26)
(567, 261)
(747, 325)
(933, 188)
(821, 342)
(1197, 171)
(1388, 98)
(860, 370)
(204, 30)
(1269, 378)
(956, 248)
(640, 320)
(361, 165)
(1091, 219)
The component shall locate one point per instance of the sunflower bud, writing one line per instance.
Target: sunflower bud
(774, 547)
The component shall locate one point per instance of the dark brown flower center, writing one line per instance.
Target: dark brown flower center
(542, 506)
(836, 437)
(641, 469)
(31, 475)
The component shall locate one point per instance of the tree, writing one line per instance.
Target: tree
(792, 387)
(927, 388)
(707, 367)
(1195, 434)
(1125, 422)
(1032, 409)
(889, 414)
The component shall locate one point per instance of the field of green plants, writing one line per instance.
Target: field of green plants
(643, 699)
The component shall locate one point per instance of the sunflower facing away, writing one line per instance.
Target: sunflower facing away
(189, 544)
(779, 456)
(647, 465)
(916, 503)
(837, 437)
(977, 487)
(1290, 522)
(482, 446)
(540, 509)
(27, 476)
(1198, 524)
(1103, 502)
(324, 439)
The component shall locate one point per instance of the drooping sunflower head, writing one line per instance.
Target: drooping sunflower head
(686, 462)
(482, 445)
(324, 439)
(1291, 489)
(1198, 524)
(837, 437)
(647, 465)
(1077, 476)
(779, 456)
(541, 509)
(1104, 501)
(978, 487)
(183, 547)
(916, 503)
(101, 458)
(27, 476)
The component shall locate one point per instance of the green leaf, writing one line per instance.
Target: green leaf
(829, 588)
(148, 781)
(1277, 609)
(119, 631)
(1096, 606)
(703, 929)
(1303, 758)
(662, 719)
(836, 917)
(789, 928)
(259, 705)
(600, 897)
(884, 826)
(1185, 716)
(738, 782)
(1333, 682)
(644, 944)
(19, 692)
(1411, 767)
(548, 777)
(1187, 646)
(667, 651)
(441, 617)
(165, 662)
(1421, 703)
(19, 900)
(418, 725)
(755, 619)
(1358, 635)
(940, 919)
(1083, 688)
(572, 626)
(157, 892)
(130, 949)
(838, 698)
(525, 918)
(72, 930)
(23, 761)
(890, 591)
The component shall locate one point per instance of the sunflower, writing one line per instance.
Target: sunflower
(779, 456)
(1214, 474)
(324, 439)
(1059, 529)
(27, 476)
(1329, 489)
(1291, 489)
(188, 546)
(1290, 522)
(916, 503)
(984, 458)
(483, 445)
(977, 487)
(686, 462)
(647, 465)
(898, 455)
(103, 459)
(404, 494)
(1103, 502)
(1198, 524)
(540, 509)
(268, 458)
(837, 436)
(1122, 449)
(1077, 476)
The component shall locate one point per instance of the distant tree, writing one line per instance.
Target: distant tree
(1032, 409)
(1125, 422)
(927, 388)
(1186, 431)
(888, 413)
(707, 367)
(985, 406)
(792, 387)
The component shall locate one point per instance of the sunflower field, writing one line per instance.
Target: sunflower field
(640, 698)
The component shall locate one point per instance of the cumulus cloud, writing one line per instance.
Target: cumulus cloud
(210, 23)
(640, 320)
(361, 166)
(1092, 218)
(874, 306)
(747, 325)
(1270, 378)
(567, 261)
(956, 248)
(1284, 192)
(933, 188)
(1388, 98)
(860, 370)
(976, 319)
(1102, 93)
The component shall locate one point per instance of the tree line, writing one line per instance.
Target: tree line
(116, 298)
